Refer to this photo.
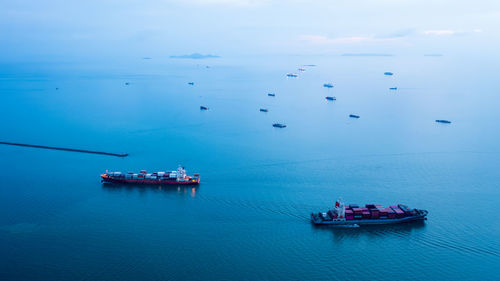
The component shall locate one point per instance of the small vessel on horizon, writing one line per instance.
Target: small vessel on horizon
(271, 94)
(443, 121)
(264, 110)
(388, 73)
(328, 85)
(191, 83)
(177, 177)
(292, 75)
(371, 214)
(279, 125)
(203, 107)
(393, 88)
(353, 116)
(331, 98)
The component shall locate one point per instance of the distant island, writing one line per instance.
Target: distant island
(195, 56)
(366, 55)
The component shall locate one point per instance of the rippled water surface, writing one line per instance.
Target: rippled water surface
(249, 219)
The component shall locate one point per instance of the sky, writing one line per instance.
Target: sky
(33, 29)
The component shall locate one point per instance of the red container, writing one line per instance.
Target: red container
(366, 215)
(349, 212)
(349, 217)
(391, 215)
(375, 215)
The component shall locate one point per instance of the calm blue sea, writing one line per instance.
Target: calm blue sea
(249, 218)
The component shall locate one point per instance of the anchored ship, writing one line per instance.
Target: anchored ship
(177, 177)
(371, 214)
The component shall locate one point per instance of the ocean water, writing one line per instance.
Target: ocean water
(249, 218)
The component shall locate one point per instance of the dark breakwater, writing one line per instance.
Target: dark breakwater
(65, 149)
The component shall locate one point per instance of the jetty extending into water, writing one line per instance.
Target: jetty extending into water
(65, 149)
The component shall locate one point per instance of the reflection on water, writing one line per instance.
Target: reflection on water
(401, 230)
(151, 188)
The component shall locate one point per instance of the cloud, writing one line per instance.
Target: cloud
(446, 32)
(398, 34)
(439, 32)
(324, 40)
(194, 56)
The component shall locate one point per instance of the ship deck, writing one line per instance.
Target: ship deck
(315, 219)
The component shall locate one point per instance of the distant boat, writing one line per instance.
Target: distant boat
(263, 110)
(292, 75)
(328, 85)
(127, 83)
(302, 69)
(331, 98)
(271, 94)
(353, 116)
(203, 107)
(388, 73)
(191, 83)
(278, 125)
(443, 121)
(393, 88)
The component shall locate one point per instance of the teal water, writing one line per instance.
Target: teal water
(249, 219)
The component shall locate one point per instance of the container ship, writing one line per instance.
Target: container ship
(370, 214)
(177, 177)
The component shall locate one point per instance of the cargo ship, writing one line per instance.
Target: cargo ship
(370, 214)
(177, 177)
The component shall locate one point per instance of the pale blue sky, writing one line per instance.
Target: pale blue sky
(65, 28)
